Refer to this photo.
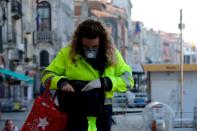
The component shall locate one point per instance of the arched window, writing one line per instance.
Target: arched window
(43, 18)
(44, 58)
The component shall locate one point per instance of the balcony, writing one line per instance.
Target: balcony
(12, 40)
(44, 37)
(136, 38)
(16, 9)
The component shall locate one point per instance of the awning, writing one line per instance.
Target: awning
(17, 75)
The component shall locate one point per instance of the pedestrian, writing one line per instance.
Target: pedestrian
(86, 73)
(10, 126)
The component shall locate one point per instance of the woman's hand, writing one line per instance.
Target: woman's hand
(68, 88)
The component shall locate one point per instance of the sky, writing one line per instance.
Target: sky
(165, 15)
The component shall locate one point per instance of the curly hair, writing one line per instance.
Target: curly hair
(92, 29)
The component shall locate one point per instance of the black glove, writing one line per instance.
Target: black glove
(106, 83)
(61, 83)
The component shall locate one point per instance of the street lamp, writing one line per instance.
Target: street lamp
(3, 18)
(181, 27)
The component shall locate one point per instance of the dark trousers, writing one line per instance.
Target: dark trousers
(77, 122)
(80, 122)
(104, 121)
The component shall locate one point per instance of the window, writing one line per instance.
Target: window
(44, 58)
(43, 18)
(187, 59)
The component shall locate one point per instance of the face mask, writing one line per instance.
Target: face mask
(90, 53)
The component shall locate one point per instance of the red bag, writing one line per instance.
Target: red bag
(45, 116)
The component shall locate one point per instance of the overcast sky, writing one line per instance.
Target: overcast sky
(165, 15)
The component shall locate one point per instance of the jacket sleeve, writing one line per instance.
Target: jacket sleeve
(123, 79)
(55, 71)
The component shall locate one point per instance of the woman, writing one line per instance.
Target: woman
(86, 74)
(9, 126)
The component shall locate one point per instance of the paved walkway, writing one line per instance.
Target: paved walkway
(124, 120)
(17, 117)
(128, 122)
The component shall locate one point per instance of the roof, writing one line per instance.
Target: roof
(168, 67)
(102, 14)
(101, 9)
(96, 5)
(116, 10)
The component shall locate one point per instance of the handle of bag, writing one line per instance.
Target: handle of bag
(46, 93)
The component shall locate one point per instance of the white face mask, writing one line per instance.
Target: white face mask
(90, 53)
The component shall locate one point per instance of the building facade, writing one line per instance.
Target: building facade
(11, 31)
(53, 28)
(113, 17)
(127, 6)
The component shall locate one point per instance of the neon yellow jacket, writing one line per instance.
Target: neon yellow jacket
(62, 67)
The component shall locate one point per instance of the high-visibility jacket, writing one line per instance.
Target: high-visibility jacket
(63, 67)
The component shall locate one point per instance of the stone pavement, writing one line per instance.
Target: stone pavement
(128, 122)
(17, 117)
(124, 121)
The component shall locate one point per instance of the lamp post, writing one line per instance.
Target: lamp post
(181, 26)
(3, 18)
